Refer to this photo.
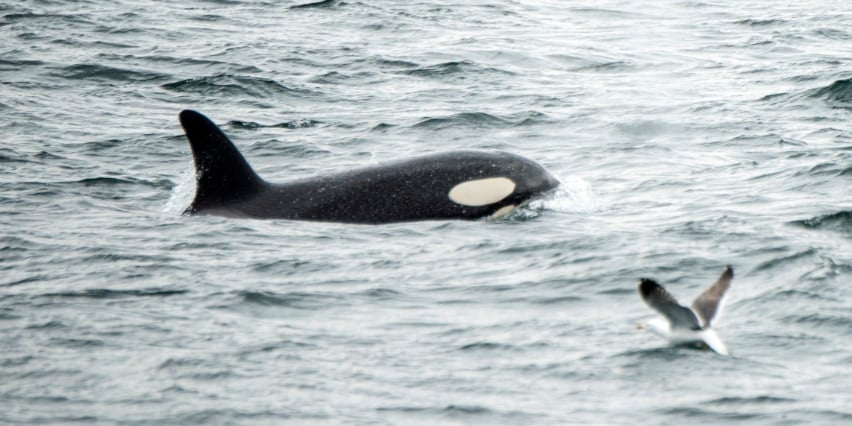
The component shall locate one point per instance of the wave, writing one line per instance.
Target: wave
(465, 119)
(607, 66)
(293, 300)
(452, 68)
(324, 4)
(389, 63)
(103, 72)
(455, 410)
(382, 127)
(761, 22)
(7, 155)
(840, 222)
(786, 260)
(760, 399)
(105, 293)
(488, 346)
(30, 16)
(336, 77)
(7, 65)
(381, 294)
(838, 93)
(819, 320)
(479, 120)
(832, 33)
(829, 169)
(104, 186)
(234, 85)
(698, 413)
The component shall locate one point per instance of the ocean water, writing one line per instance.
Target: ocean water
(688, 135)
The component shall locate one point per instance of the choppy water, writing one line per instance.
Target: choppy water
(687, 134)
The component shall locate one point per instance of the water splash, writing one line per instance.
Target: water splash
(182, 193)
(575, 195)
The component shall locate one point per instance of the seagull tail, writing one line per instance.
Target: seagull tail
(714, 342)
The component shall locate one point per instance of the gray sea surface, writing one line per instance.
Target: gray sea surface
(687, 135)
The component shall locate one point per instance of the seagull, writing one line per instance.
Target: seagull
(682, 325)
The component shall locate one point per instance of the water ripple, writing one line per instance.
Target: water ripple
(479, 120)
(235, 85)
(838, 94)
(456, 69)
(105, 293)
(838, 222)
(103, 72)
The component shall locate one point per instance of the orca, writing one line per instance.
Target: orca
(449, 185)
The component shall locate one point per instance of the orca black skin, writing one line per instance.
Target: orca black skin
(421, 188)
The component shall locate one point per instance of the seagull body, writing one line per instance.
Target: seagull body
(683, 325)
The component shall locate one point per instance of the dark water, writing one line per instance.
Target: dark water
(688, 135)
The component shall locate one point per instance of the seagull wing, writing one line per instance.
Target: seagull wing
(707, 304)
(663, 302)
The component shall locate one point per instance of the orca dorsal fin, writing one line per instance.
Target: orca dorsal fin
(222, 174)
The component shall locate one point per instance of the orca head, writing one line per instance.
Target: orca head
(222, 174)
(513, 182)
